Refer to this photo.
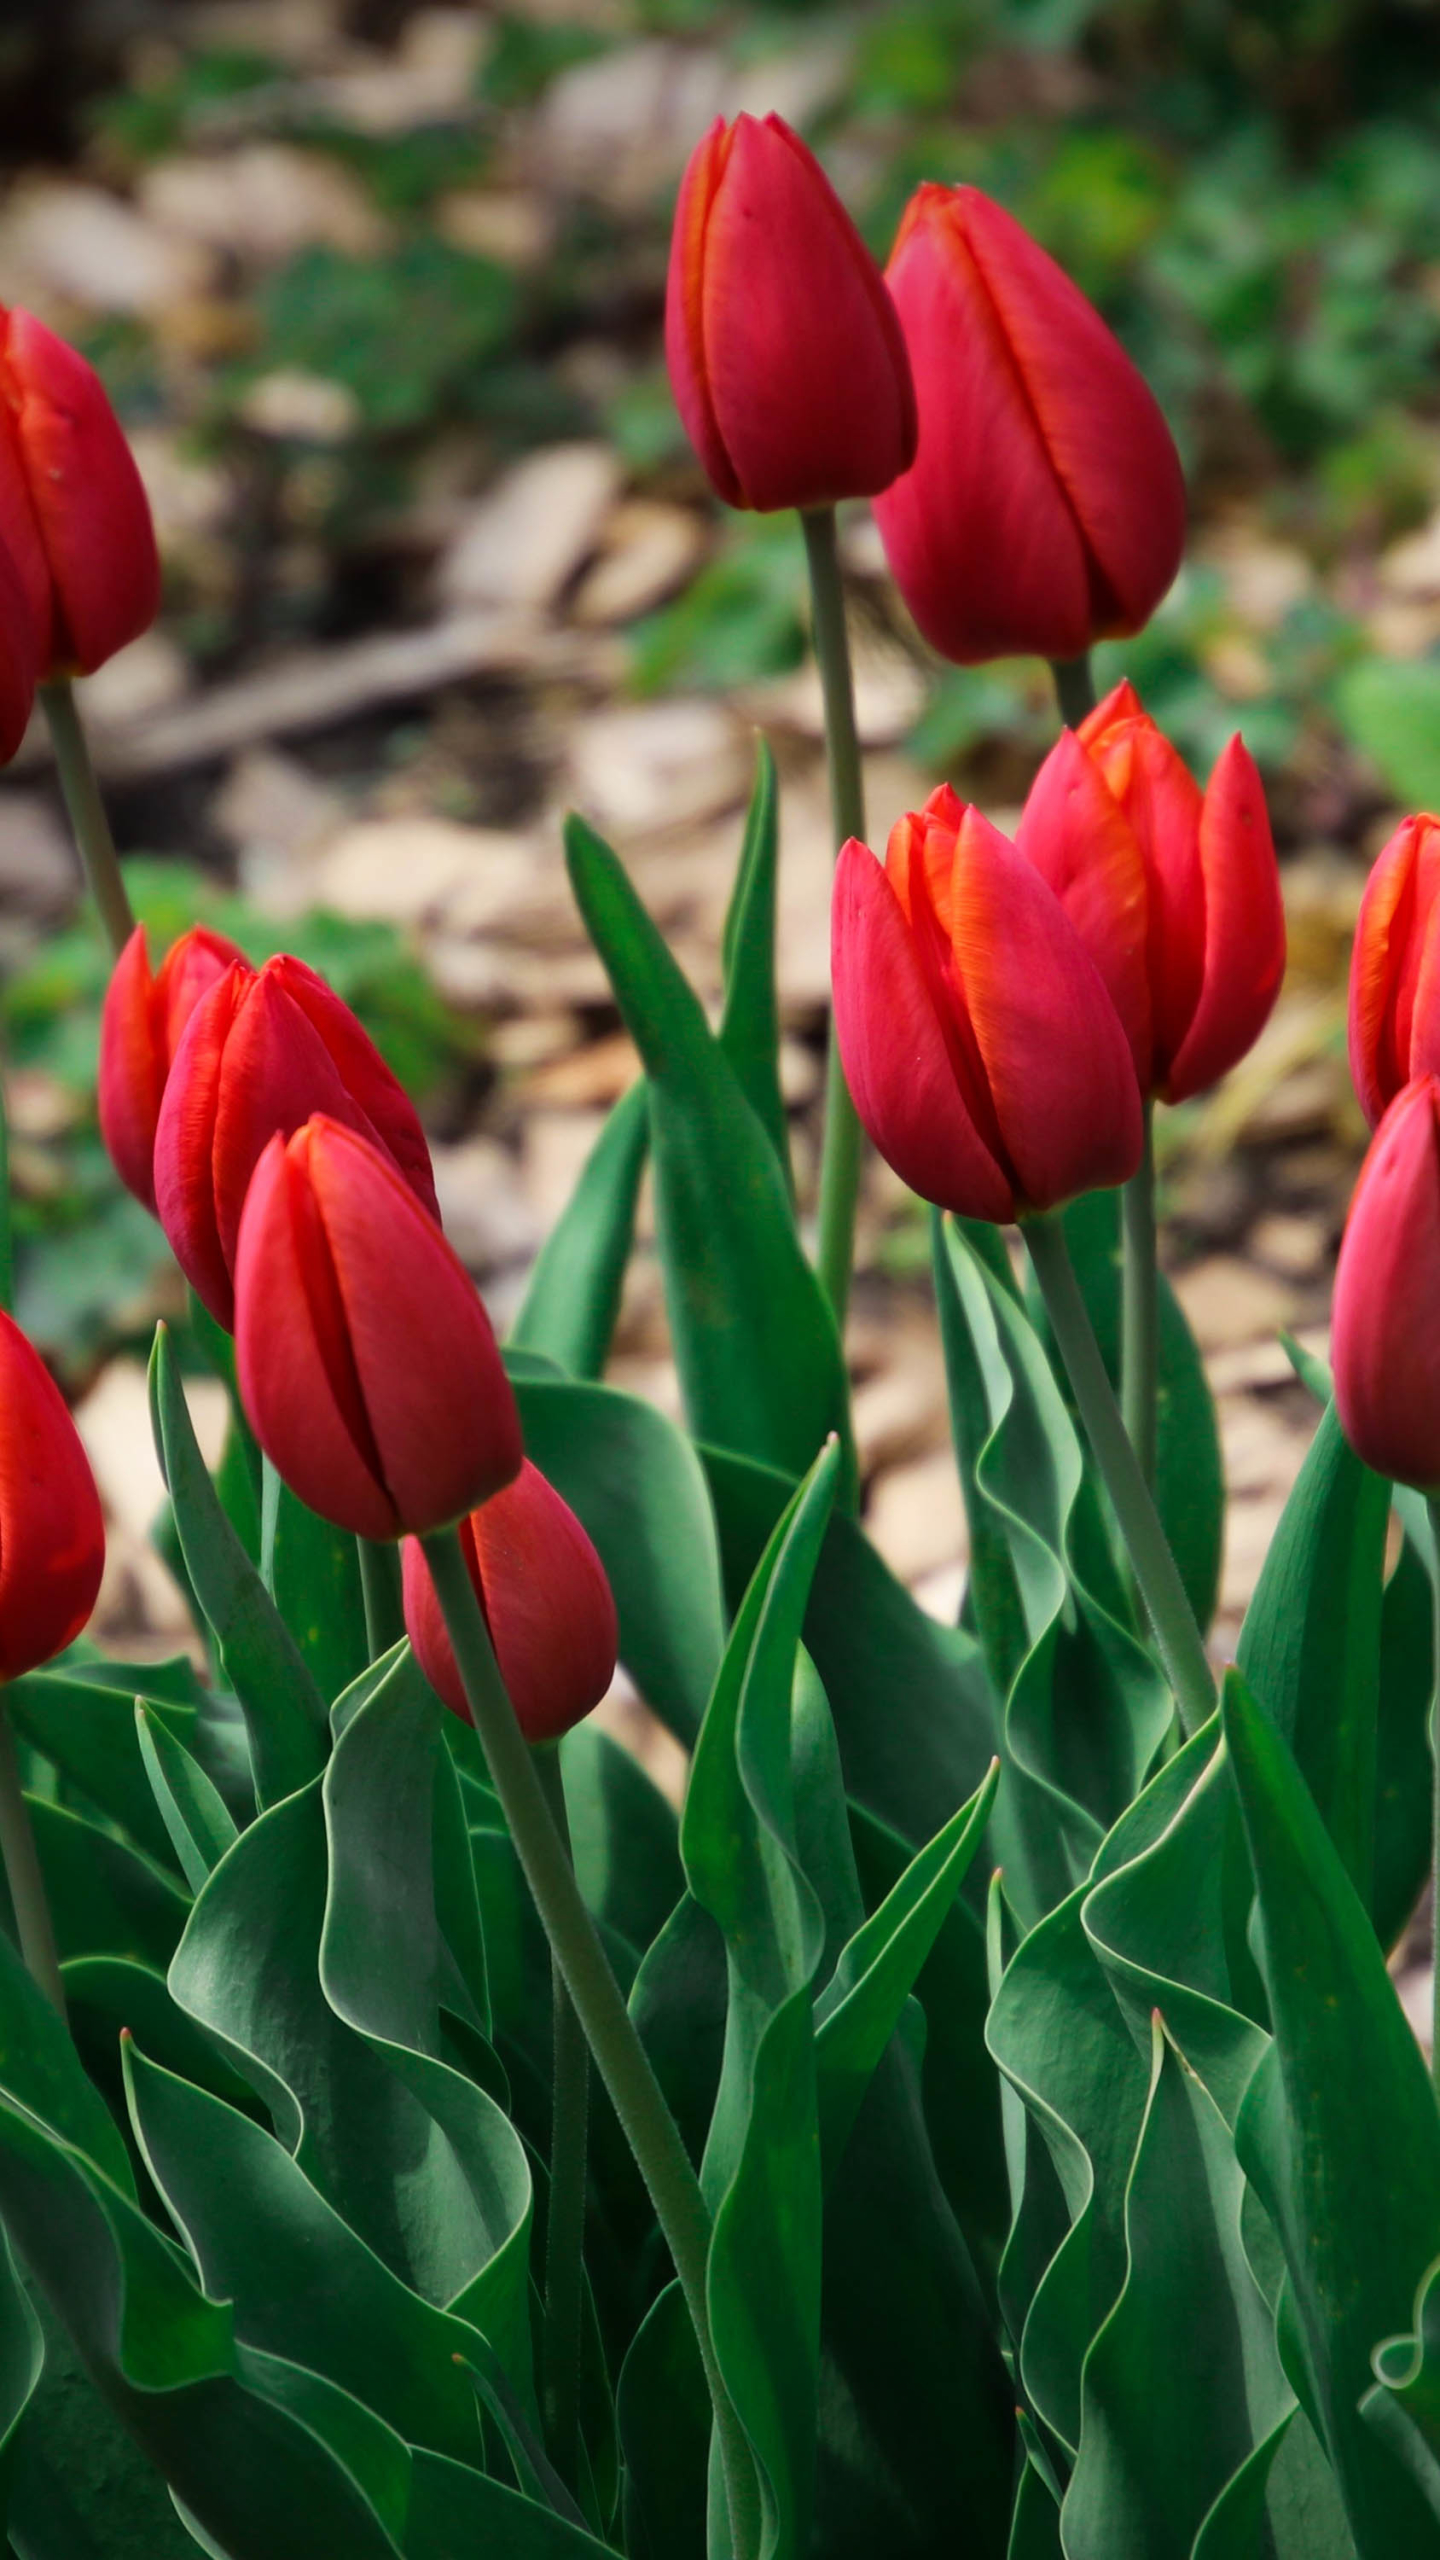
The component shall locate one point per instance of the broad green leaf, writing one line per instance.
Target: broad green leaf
(1404, 2406)
(105, 1897)
(1340, 2135)
(193, 1811)
(663, 2412)
(457, 2514)
(312, 1572)
(860, 2006)
(1403, 1764)
(678, 2001)
(573, 1295)
(300, 2281)
(105, 1995)
(1285, 2488)
(80, 2488)
(22, 2346)
(1310, 1646)
(913, 1707)
(750, 1023)
(529, 2461)
(86, 1726)
(761, 2171)
(1189, 1472)
(639, 1489)
(992, 1595)
(284, 1710)
(624, 1837)
(1162, 2431)
(755, 1342)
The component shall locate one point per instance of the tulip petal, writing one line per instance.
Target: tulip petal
(132, 1071)
(277, 1072)
(1060, 1071)
(1080, 841)
(281, 1362)
(373, 1089)
(896, 1061)
(1244, 927)
(86, 497)
(184, 1137)
(1104, 433)
(1384, 1339)
(684, 311)
(979, 533)
(441, 1409)
(549, 1606)
(425, 1626)
(804, 362)
(1163, 802)
(1394, 985)
(52, 1536)
(21, 661)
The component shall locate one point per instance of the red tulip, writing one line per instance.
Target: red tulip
(52, 1538)
(19, 656)
(140, 1030)
(262, 1051)
(785, 354)
(1175, 893)
(985, 1057)
(73, 510)
(1395, 968)
(1384, 1340)
(1046, 506)
(546, 1602)
(365, 1359)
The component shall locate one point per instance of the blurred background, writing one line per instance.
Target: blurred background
(377, 291)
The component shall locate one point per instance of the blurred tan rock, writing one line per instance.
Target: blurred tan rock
(487, 1216)
(1410, 568)
(901, 1411)
(113, 1420)
(78, 243)
(309, 408)
(916, 1518)
(513, 225)
(39, 869)
(263, 202)
(658, 764)
(891, 690)
(597, 1074)
(1229, 1302)
(525, 540)
(553, 1148)
(149, 675)
(189, 498)
(1263, 579)
(648, 551)
(1296, 1247)
(404, 870)
(619, 126)
(431, 74)
(275, 812)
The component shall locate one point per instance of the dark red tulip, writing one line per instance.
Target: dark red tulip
(785, 354)
(365, 1359)
(19, 656)
(1384, 1339)
(1175, 893)
(73, 510)
(52, 1538)
(1395, 968)
(140, 1028)
(1046, 506)
(547, 1604)
(264, 1050)
(986, 1059)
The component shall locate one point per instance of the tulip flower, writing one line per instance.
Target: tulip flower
(1395, 969)
(785, 354)
(52, 1538)
(19, 656)
(1175, 893)
(1384, 1342)
(262, 1051)
(140, 1026)
(545, 1599)
(73, 510)
(365, 1359)
(986, 1059)
(1046, 506)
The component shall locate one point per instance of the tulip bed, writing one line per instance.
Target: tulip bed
(983, 2119)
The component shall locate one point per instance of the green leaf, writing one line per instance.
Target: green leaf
(750, 1023)
(80, 2487)
(87, 1728)
(192, 1810)
(456, 2514)
(639, 1489)
(284, 1710)
(1404, 2406)
(1310, 1646)
(1162, 2432)
(532, 2465)
(572, 1297)
(22, 2347)
(992, 1593)
(859, 2009)
(624, 1837)
(312, 1573)
(1404, 1769)
(755, 1342)
(1340, 2134)
(105, 1897)
(663, 2411)
(1390, 709)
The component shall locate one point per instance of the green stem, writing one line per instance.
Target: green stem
(565, 2220)
(86, 811)
(1434, 1508)
(1140, 1306)
(1074, 688)
(840, 1148)
(22, 1874)
(1156, 1572)
(380, 1587)
(620, 2057)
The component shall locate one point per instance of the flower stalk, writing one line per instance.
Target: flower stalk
(86, 811)
(565, 2219)
(1140, 1307)
(840, 1149)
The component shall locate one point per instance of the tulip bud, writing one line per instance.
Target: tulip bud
(73, 509)
(1046, 506)
(1395, 969)
(785, 354)
(140, 1028)
(365, 1359)
(1384, 1342)
(546, 1602)
(52, 1538)
(1174, 893)
(985, 1057)
(19, 656)
(262, 1051)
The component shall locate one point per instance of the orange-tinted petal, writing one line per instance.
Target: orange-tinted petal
(684, 312)
(184, 1140)
(1082, 844)
(1162, 801)
(132, 1070)
(1244, 927)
